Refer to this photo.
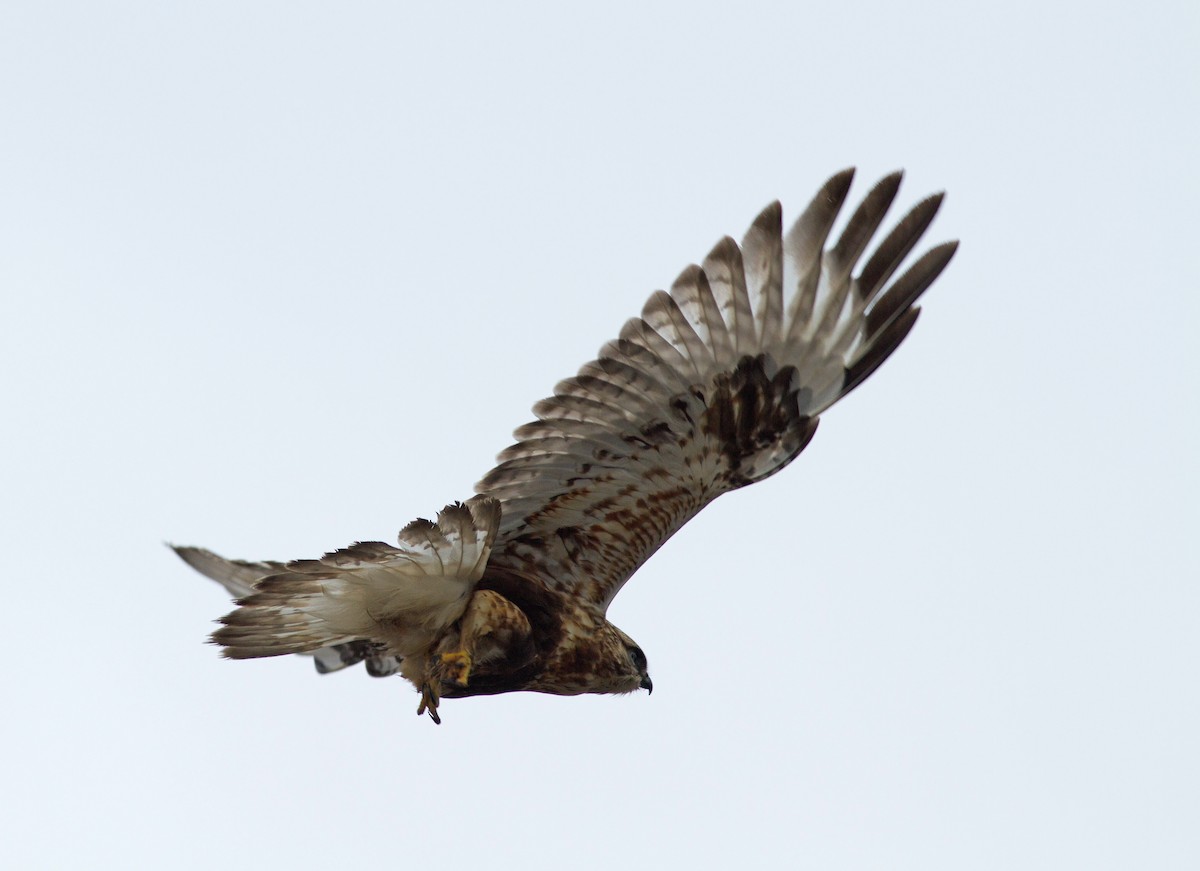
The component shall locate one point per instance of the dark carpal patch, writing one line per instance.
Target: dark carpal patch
(754, 415)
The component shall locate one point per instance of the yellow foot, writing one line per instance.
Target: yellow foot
(429, 702)
(456, 667)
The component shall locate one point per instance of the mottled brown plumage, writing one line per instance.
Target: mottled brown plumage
(719, 383)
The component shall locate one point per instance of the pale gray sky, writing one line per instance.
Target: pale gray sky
(275, 277)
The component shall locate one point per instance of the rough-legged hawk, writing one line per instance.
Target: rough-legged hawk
(718, 384)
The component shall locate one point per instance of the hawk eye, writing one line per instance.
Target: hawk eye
(639, 658)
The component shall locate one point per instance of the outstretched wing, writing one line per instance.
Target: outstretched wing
(717, 385)
(368, 601)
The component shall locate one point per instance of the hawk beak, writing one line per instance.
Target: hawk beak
(647, 684)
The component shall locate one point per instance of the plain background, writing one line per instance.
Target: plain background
(280, 276)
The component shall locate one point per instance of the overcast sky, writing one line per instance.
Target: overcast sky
(275, 277)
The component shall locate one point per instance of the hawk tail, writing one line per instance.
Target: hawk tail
(368, 602)
(240, 577)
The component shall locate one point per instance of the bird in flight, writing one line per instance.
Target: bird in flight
(718, 384)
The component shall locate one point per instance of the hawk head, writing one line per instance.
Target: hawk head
(627, 667)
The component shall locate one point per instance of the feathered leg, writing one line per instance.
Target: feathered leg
(492, 628)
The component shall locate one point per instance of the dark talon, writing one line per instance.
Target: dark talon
(429, 702)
